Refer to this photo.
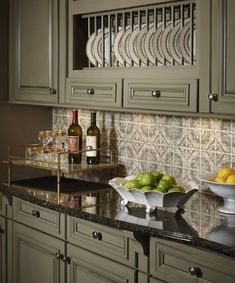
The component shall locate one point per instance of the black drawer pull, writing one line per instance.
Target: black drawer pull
(35, 213)
(90, 91)
(97, 235)
(156, 93)
(195, 271)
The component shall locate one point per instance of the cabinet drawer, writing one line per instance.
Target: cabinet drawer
(162, 95)
(170, 261)
(43, 219)
(91, 92)
(108, 242)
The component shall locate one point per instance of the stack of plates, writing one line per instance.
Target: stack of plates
(139, 45)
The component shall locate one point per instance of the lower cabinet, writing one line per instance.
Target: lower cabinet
(37, 256)
(87, 267)
(3, 254)
(174, 262)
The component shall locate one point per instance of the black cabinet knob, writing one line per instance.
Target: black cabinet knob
(97, 235)
(90, 91)
(195, 271)
(156, 93)
(35, 213)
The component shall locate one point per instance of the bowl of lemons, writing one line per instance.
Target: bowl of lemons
(152, 189)
(222, 183)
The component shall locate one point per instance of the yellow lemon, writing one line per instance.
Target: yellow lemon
(219, 180)
(224, 172)
(230, 179)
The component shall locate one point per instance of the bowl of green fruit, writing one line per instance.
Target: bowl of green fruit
(152, 189)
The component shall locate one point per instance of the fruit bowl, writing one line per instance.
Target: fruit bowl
(151, 199)
(226, 191)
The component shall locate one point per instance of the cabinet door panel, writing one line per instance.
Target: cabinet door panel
(223, 59)
(34, 256)
(86, 267)
(35, 48)
(3, 256)
(175, 95)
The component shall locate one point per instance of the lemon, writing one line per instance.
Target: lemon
(224, 172)
(219, 180)
(230, 179)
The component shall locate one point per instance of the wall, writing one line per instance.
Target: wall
(19, 124)
(184, 147)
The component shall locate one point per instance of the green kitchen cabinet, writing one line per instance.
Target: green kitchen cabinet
(217, 58)
(89, 267)
(101, 71)
(35, 32)
(3, 250)
(36, 256)
(174, 262)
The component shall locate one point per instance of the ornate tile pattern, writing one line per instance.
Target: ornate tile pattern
(182, 146)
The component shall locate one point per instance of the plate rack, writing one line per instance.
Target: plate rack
(56, 162)
(154, 35)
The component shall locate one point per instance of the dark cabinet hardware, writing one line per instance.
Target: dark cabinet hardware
(52, 91)
(35, 213)
(195, 271)
(97, 235)
(212, 97)
(59, 255)
(156, 93)
(90, 91)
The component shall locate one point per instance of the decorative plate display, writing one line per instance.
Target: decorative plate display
(89, 49)
(151, 199)
(226, 191)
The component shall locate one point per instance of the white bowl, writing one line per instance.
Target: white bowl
(152, 199)
(226, 191)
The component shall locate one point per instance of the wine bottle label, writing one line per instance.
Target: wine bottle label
(91, 144)
(73, 143)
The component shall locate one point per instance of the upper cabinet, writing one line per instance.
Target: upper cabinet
(34, 50)
(139, 54)
(218, 60)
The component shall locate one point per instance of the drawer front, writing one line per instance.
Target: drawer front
(43, 219)
(91, 92)
(174, 95)
(171, 262)
(102, 240)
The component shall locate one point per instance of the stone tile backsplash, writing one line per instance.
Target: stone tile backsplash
(182, 146)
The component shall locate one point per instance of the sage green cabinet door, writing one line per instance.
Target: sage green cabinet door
(34, 51)
(87, 267)
(35, 256)
(3, 253)
(219, 83)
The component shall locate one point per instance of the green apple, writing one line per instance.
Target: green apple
(169, 178)
(132, 184)
(147, 179)
(164, 186)
(147, 188)
(158, 175)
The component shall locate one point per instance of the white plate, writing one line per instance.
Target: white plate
(98, 47)
(174, 43)
(117, 48)
(132, 45)
(164, 45)
(185, 42)
(89, 49)
(140, 45)
(156, 45)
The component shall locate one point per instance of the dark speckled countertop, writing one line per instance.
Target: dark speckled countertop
(99, 203)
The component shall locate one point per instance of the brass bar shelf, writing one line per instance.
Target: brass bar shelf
(56, 162)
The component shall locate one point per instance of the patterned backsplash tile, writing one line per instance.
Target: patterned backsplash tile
(182, 146)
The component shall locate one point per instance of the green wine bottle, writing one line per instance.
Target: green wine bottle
(93, 141)
(75, 140)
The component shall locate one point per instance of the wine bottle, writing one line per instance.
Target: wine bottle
(93, 141)
(75, 140)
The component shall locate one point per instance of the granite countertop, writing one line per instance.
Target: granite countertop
(99, 203)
